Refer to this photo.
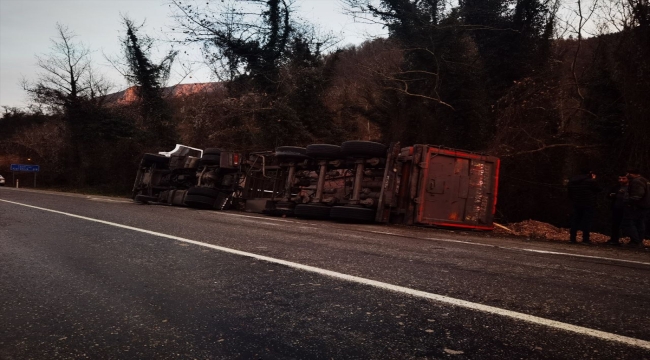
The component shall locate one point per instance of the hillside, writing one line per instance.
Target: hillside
(128, 95)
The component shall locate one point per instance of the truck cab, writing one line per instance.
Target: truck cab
(188, 176)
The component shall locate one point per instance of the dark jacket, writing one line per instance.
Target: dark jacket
(639, 193)
(583, 190)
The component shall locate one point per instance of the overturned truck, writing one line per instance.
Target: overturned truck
(358, 181)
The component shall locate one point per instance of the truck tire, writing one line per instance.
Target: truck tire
(136, 184)
(150, 159)
(351, 213)
(223, 202)
(324, 151)
(203, 191)
(291, 153)
(312, 211)
(145, 199)
(364, 149)
(280, 208)
(291, 149)
(212, 151)
(211, 159)
(199, 201)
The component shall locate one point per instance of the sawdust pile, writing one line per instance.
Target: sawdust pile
(541, 230)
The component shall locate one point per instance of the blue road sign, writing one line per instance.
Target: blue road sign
(27, 168)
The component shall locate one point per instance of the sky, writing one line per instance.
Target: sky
(27, 27)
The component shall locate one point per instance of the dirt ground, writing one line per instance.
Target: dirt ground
(540, 230)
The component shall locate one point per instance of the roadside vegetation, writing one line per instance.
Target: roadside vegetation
(549, 86)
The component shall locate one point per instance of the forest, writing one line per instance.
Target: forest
(552, 87)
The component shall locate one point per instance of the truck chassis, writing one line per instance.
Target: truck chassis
(359, 181)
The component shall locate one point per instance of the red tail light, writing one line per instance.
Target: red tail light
(235, 159)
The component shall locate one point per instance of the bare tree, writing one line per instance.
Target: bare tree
(580, 22)
(246, 38)
(66, 75)
(257, 48)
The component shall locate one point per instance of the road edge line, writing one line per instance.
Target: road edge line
(378, 284)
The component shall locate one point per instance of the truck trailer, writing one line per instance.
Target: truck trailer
(360, 181)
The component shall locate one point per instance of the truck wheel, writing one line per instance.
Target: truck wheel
(203, 191)
(223, 202)
(201, 197)
(291, 149)
(150, 159)
(324, 151)
(352, 213)
(212, 151)
(280, 208)
(291, 153)
(211, 159)
(364, 149)
(145, 199)
(199, 201)
(136, 185)
(312, 211)
(286, 156)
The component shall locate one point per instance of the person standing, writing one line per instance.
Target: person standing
(583, 190)
(637, 208)
(619, 197)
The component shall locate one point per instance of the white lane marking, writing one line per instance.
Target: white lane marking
(107, 200)
(247, 216)
(372, 231)
(392, 234)
(466, 242)
(521, 249)
(381, 285)
(308, 228)
(263, 223)
(383, 233)
(257, 219)
(542, 251)
(72, 195)
(584, 256)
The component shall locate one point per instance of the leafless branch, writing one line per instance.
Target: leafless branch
(66, 74)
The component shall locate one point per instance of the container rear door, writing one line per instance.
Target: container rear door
(445, 192)
(455, 190)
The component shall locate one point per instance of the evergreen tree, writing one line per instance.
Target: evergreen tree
(273, 65)
(149, 79)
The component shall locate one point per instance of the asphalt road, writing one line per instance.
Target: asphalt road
(103, 278)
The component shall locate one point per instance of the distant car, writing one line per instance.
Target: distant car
(2, 181)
